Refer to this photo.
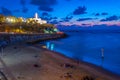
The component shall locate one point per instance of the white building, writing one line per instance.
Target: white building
(38, 20)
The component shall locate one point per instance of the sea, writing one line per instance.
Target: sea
(101, 48)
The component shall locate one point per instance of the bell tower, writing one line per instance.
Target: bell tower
(36, 15)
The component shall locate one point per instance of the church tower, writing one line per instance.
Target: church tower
(36, 15)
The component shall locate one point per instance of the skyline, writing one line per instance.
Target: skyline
(66, 12)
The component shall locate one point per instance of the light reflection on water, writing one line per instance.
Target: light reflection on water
(50, 45)
(87, 47)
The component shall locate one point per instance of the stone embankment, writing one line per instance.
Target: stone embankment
(6, 39)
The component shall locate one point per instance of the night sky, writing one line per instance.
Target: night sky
(66, 12)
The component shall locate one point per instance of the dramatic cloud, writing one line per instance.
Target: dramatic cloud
(84, 19)
(111, 18)
(104, 13)
(5, 11)
(44, 5)
(80, 10)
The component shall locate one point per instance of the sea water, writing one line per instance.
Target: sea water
(99, 48)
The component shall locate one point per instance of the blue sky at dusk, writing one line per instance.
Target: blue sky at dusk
(66, 12)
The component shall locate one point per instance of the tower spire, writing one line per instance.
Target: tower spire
(36, 15)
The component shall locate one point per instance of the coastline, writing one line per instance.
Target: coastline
(32, 62)
(87, 66)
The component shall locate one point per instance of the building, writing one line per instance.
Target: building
(39, 20)
(12, 19)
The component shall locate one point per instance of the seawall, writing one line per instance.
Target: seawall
(6, 39)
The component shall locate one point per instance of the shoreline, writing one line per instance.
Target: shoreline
(32, 62)
(99, 69)
(79, 61)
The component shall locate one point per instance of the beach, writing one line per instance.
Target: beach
(60, 40)
(33, 62)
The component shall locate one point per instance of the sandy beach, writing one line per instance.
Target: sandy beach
(32, 62)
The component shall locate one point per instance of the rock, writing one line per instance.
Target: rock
(36, 65)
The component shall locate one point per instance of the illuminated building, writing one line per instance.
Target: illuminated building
(38, 20)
